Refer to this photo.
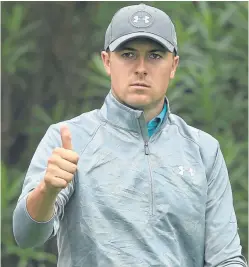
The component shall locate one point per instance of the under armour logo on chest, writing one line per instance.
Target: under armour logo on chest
(182, 170)
(146, 19)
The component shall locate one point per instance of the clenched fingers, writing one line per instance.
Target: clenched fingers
(55, 182)
(62, 163)
(67, 154)
(57, 172)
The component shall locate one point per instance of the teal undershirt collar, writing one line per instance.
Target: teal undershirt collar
(157, 121)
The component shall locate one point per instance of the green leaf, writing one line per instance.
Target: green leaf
(41, 114)
(17, 18)
(4, 187)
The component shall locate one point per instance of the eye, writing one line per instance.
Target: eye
(128, 55)
(155, 56)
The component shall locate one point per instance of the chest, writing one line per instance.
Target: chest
(118, 177)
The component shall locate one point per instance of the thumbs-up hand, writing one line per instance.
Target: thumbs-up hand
(62, 164)
(66, 138)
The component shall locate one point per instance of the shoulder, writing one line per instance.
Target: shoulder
(208, 145)
(82, 129)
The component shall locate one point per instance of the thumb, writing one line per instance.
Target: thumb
(66, 137)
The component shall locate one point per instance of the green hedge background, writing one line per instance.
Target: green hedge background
(51, 71)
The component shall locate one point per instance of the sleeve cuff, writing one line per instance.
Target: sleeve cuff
(27, 231)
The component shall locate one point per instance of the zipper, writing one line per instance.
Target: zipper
(143, 129)
(146, 148)
(147, 153)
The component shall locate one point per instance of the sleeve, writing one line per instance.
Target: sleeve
(30, 233)
(222, 242)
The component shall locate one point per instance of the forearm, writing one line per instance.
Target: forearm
(33, 220)
(40, 204)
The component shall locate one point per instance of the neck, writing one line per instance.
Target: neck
(150, 113)
(126, 117)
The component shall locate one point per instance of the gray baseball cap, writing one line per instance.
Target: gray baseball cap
(141, 21)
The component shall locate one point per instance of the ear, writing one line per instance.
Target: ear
(174, 66)
(106, 61)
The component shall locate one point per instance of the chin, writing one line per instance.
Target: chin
(138, 102)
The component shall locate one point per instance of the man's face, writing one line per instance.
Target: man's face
(140, 72)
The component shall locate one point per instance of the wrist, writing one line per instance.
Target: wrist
(47, 191)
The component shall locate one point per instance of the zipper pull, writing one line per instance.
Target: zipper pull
(146, 148)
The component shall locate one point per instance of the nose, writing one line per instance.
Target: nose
(141, 69)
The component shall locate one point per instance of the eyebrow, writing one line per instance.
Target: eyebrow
(151, 51)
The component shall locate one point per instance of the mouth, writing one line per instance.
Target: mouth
(140, 85)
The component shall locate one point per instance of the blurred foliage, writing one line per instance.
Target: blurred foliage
(9, 192)
(52, 70)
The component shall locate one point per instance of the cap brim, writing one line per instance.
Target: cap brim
(115, 44)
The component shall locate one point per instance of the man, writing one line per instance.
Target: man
(131, 184)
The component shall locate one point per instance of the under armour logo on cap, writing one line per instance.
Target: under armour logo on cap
(141, 19)
(137, 18)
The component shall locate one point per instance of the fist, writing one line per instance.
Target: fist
(62, 164)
